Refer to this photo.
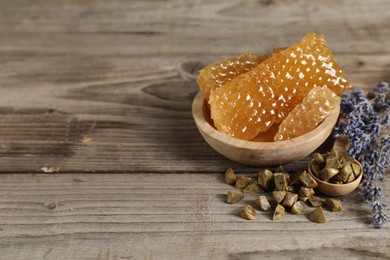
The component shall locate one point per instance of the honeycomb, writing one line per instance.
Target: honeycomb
(307, 115)
(253, 101)
(218, 74)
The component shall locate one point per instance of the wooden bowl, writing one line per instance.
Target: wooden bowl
(332, 189)
(260, 153)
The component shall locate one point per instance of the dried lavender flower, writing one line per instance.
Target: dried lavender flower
(366, 119)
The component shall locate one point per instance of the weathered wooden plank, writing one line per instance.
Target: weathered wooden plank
(97, 86)
(133, 126)
(159, 216)
(119, 74)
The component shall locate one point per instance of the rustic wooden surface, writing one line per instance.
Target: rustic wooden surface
(106, 87)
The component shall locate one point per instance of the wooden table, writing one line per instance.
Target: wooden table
(99, 154)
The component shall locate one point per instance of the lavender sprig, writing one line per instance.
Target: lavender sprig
(366, 119)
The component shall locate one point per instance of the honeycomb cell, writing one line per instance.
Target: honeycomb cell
(253, 101)
(218, 74)
(314, 108)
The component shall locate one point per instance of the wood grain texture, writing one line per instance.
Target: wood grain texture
(167, 216)
(107, 86)
(122, 74)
